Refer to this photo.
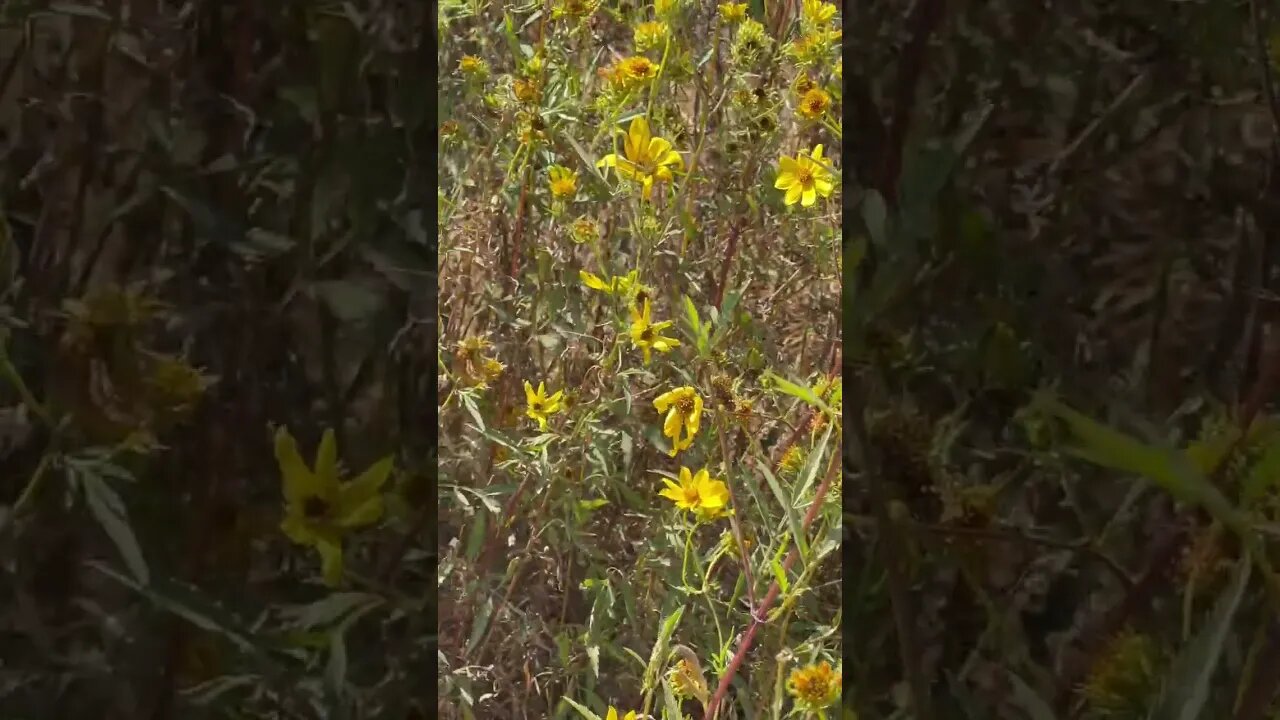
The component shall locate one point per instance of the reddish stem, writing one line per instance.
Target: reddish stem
(758, 615)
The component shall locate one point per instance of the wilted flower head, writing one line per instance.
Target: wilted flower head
(473, 67)
(814, 687)
(584, 230)
(563, 181)
(814, 103)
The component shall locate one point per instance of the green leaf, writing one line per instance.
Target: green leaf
(660, 646)
(797, 391)
(1187, 687)
(328, 610)
(1027, 700)
(78, 10)
(1168, 468)
(780, 574)
(480, 624)
(793, 518)
(109, 510)
(876, 217)
(581, 710)
(349, 301)
(475, 538)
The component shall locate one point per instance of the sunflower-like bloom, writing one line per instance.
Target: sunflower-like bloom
(700, 494)
(320, 510)
(815, 103)
(814, 687)
(647, 335)
(683, 408)
(646, 159)
(473, 67)
(538, 406)
(564, 182)
(804, 178)
(632, 72)
(613, 715)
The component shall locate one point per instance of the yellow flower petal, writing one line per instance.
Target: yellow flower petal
(671, 426)
(299, 482)
(810, 195)
(360, 501)
(793, 194)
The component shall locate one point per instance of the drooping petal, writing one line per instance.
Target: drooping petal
(671, 426)
(658, 149)
(647, 190)
(810, 195)
(695, 417)
(793, 194)
(299, 482)
(295, 527)
(663, 401)
(593, 282)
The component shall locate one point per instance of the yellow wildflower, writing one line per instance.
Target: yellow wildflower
(803, 84)
(564, 182)
(792, 460)
(647, 335)
(683, 408)
(815, 103)
(687, 678)
(803, 177)
(814, 687)
(646, 160)
(649, 35)
(630, 73)
(613, 715)
(665, 8)
(574, 8)
(526, 91)
(1124, 678)
(320, 510)
(818, 12)
(700, 494)
(538, 406)
(473, 67)
(583, 230)
(731, 12)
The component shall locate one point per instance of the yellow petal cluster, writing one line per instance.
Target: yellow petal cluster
(539, 407)
(646, 159)
(683, 416)
(319, 509)
(705, 497)
(804, 178)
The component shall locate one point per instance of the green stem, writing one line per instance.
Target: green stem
(662, 66)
